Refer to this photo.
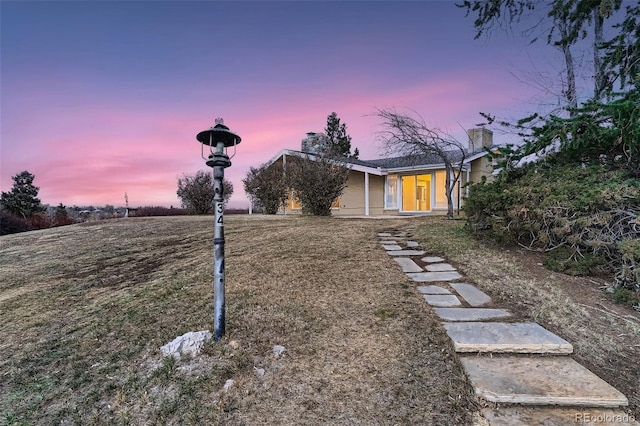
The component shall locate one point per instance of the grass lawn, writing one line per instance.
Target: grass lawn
(85, 308)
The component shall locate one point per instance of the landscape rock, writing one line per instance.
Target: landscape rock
(432, 289)
(433, 276)
(440, 267)
(432, 259)
(405, 252)
(470, 314)
(278, 350)
(521, 337)
(471, 294)
(441, 300)
(189, 343)
(407, 264)
(259, 372)
(539, 381)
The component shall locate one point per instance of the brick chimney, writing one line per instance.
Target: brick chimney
(314, 143)
(480, 138)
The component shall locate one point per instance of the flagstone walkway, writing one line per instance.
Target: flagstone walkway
(524, 369)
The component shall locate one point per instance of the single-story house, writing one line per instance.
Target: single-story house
(399, 185)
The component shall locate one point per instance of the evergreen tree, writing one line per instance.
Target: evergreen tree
(339, 141)
(23, 199)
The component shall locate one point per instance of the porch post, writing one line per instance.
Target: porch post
(284, 172)
(366, 193)
(466, 189)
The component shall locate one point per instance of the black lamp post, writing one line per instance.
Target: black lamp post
(218, 138)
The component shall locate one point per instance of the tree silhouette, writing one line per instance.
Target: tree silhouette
(23, 199)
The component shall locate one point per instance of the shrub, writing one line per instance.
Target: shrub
(317, 182)
(10, 224)
(196, 192)
(40, 221)
(571, 262)
(267, 187)
(589, 211)
(160, 211)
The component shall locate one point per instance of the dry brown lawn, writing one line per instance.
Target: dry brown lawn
(84, 310)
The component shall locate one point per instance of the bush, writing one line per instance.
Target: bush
(10, 224)
(317, 182)
(589, 211)
(160, 211)
(196, 192)
(267, 187)
(40, 221)
(571, 262)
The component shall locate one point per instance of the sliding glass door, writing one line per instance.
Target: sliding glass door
(416, 193)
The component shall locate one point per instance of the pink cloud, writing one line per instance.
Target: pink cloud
(93, 154)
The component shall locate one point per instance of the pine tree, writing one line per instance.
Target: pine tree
(22, 200)
(339, 141)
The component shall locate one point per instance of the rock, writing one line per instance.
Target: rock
(471, 294)
(259, 371)
(227, 385)
(278, 350)
(432, 289)
(432, 259)
(190, 343)
(408, 265)
(234, 344)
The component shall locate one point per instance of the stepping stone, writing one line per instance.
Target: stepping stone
(440, 267)
(422, 277)
(388, 242)
(441, 300)
(471, 294)
(543, 416)
(432, 259)
(412, 244)
(539, 381)
(407, 264)
(432, 289)
(470, 314)
(384, 234)
(391, 247)
(405, 252)
(505, 338)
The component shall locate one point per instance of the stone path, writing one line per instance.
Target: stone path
(534, 374)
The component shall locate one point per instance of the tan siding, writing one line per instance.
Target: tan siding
(480, 167)
(376, 195)
(352, 201)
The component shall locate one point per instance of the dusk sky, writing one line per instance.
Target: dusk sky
(103, 98)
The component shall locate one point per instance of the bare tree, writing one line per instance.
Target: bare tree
(410, 135)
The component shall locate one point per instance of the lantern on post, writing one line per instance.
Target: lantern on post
(219, 138)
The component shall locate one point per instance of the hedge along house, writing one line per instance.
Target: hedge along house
(407, 185)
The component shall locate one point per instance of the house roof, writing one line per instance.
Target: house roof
(382, 166)
(410, 161)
